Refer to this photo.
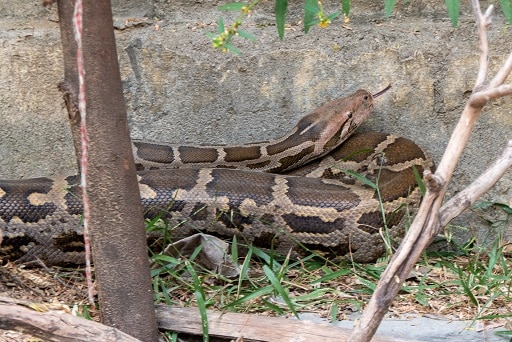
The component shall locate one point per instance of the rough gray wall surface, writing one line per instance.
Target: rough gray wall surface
(179, 89)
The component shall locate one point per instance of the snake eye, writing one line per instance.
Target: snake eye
(366, 97)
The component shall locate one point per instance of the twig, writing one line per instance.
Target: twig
(502, 75)
(482, 97)
(480, 186)
(482, 21)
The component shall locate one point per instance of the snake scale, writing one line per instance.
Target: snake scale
(240, 191)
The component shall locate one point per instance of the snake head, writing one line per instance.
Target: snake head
(331, 124)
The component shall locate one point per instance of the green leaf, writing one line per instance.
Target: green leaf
(220, 25)
(246, 35)
(345, 7)
(87, 313)
(453, 11)
(310, 11)
(388, 7)
(232, 49)
(334, 312)
(233, 6)
(506, 7)
(334, 15)
(311, 6)
(311, 23)
(280, 11)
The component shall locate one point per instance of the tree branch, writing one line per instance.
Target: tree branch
(482, 21)
(464, 199)
(429, 221)
(502, 75)
(482, 97)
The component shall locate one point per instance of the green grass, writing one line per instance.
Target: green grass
(466, 283)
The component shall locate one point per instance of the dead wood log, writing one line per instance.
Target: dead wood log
(43, 321)
(53, 325)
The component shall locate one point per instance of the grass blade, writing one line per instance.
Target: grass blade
(261, 292)
(361, 179)
(200, 298)
(332, 275)
(273, 307)
(267, 258)
(243, 272)
(202, 311)
(419, 180)
(280, 290)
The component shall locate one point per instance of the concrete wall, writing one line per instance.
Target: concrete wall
(179, 89)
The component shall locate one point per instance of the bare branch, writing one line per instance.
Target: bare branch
(482, 21)
(480, 98)
(502, 75)
(480, 186)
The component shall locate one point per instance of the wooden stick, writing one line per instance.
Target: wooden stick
(55, 325)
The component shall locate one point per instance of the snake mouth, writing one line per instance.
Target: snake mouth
(382, 91)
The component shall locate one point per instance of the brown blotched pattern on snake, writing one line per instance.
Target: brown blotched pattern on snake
(316, 204)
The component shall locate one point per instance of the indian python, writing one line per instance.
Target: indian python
(316, 205)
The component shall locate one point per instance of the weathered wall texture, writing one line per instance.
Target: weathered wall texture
(179, 89)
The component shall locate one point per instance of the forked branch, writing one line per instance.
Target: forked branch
(431, 218)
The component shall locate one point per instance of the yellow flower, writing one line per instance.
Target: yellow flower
(324, 23)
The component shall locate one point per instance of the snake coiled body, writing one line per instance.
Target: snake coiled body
(316, 205)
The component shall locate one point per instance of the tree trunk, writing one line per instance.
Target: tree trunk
(116, 217)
